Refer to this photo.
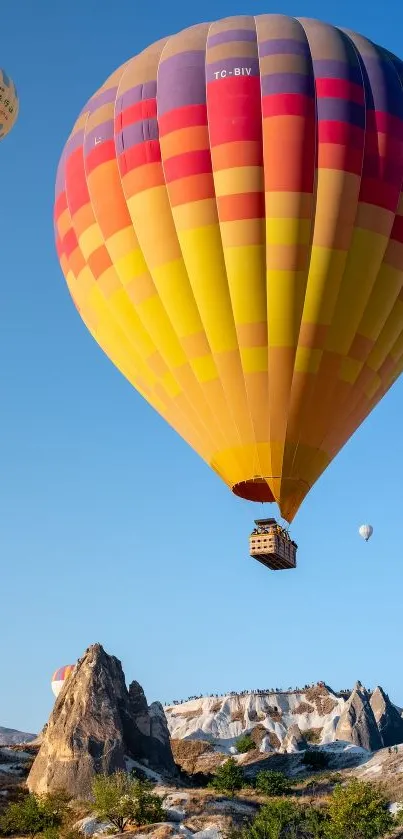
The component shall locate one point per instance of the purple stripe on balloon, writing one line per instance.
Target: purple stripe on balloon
(137, 132)
(284, 46)
(60, 177)
(85, 108)
(329, 68)
(232, 35)
(181, 81)
(100, 134)
(287, 83)
(147, 90)
(383, 88)
(341, 110)
(228, 66)
(103, 98)
(74, 142)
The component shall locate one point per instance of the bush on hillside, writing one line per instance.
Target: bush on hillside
(355, 811)
(228, 777)
(34, 814)
(275, 820)
(269, 782)
(245, 744)
(313, 735)
(122, 800)
(358, 810)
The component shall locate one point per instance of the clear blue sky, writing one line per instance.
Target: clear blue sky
(99, 499)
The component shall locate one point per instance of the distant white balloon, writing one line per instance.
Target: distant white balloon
(366, 531)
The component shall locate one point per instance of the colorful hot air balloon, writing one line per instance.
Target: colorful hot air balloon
(229, 220)
(59, 678)
(8, 104)
(366, 531)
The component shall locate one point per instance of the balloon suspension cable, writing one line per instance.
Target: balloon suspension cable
(285, 524)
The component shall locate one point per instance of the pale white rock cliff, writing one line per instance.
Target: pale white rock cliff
(289, 721)
(223, 720)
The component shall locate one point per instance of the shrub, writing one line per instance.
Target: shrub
(313, 735)
(280, 819)
(122, 799)
(316, 760)
(228, 777)
(275, 820)
(314, 823)
(34, 814)
(272, 783)
(358, 810)
(245, 744)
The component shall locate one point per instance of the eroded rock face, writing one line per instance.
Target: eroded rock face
(95, 725)
(387, 717)
(294, 741)
(357, 723)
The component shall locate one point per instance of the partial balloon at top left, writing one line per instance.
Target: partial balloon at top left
(9, 104)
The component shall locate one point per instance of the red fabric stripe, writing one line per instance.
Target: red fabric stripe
(146, 109)
(343, 158)
(191, 163)
(343, 133)
(397, 229)
(288, 104)
(70, 242)
(76, 184)
(100, 154)
(234, 110)
(379, 193)
(246, 205)
(182, 118)
(60, 205)
(59, 246)
(140, 155)
(384, 122)
(339, 89)
(385, 168)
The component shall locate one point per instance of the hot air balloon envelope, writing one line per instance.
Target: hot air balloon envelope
(8, 104)
(366, 531)
(59, 678)
(229, 220)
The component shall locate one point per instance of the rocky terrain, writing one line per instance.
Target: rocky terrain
(99, 725)
(11, 737)
(282, 722)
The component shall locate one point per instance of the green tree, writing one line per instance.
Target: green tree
(34, 814)
(245, 744)
(228, 777)
(358, 811)
(269, 782)
(314, 823)
(122, 800)
(276, 820)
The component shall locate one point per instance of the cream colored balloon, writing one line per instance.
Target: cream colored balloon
(9, 104)
(366, 531)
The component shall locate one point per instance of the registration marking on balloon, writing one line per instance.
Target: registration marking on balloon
(237, 71)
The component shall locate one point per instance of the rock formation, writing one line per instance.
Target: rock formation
(357, 723)
(387, 717)
(96, 725)
(11, 737)
(294, 741)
